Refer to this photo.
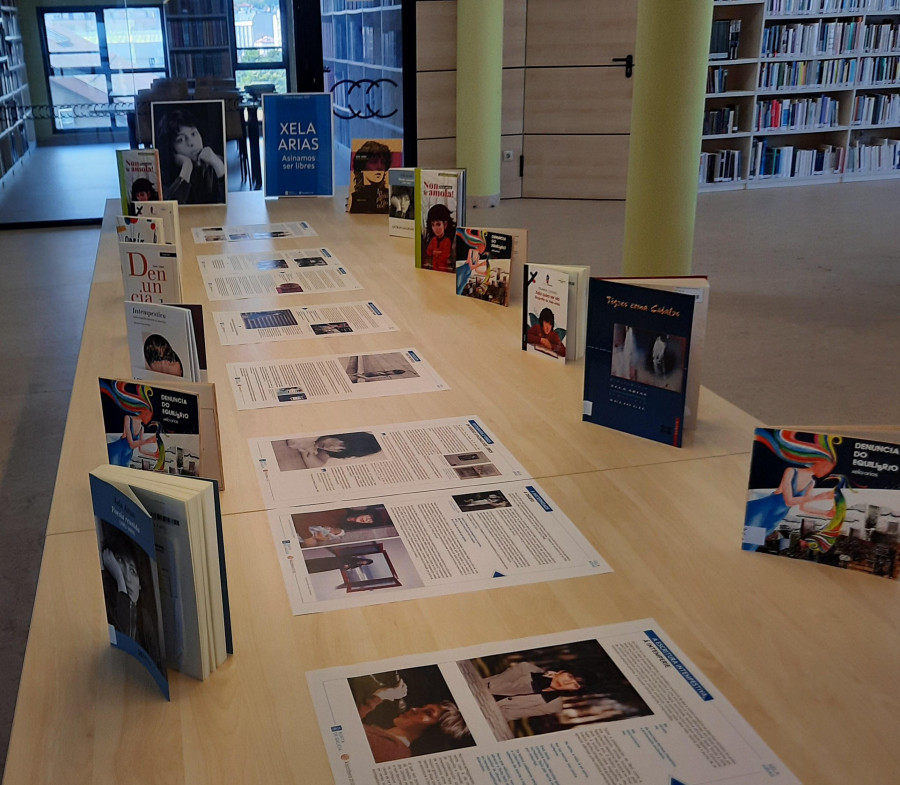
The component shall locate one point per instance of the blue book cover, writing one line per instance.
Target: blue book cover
(298, 133)
(636, 359)
(129, 572)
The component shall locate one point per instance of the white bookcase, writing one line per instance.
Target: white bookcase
(810, 94)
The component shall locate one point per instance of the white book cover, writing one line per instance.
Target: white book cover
(150, 272)
(166, 214)
(545, 306)
(161, 342)
(135, 229)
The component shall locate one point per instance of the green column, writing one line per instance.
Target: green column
(671, 56)
(479, 82)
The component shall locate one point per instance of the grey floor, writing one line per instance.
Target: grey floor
(803, 329)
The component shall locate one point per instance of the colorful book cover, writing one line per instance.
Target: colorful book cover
(636, 359)
(370, 162)
(483, 262)
(298, 133)
(166, 215)
(828, 499)
(545, 307)
(402, 215)
(151, 427)
(440, 207)
(190, 137)
(138, 177)
(129, 572)
(150, 272)
(136, 229)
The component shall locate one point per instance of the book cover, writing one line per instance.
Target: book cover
(127, 550)
(162, 342)
(166, 215)
(545, 305)
(190, 137)
(151, 427)
(370, 162)
(151, 272)
(483, 262)
(298, 131)
(134, 229)
(825, 498)
(698, 287)
(139, 177)
(402, 215)
(440, 207)
(636, 359)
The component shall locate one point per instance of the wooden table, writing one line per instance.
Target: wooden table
(805, 653)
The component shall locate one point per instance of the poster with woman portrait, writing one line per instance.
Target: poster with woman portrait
(190, 137)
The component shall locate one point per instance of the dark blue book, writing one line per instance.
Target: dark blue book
(636, 359)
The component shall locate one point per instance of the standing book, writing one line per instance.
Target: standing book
(163, 570)
(824, 498)
(402, 215)
(554, 310)
(172, 429)
(636, 359)
(483, 264)
(138, 177)
(440, 208)
(151, 272)
(370, 162)
(166, 215)
(164, 341)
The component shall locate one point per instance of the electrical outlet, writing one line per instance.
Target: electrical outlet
(507, 155)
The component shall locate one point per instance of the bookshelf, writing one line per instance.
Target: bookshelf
(16, 125)
(199, 36)
(808, 93)
(362, 42)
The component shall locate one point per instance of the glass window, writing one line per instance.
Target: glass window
(258, 43)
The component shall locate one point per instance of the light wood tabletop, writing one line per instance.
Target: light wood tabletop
(805, 653)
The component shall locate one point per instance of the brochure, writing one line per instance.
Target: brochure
(409, 546)
(263, 273)
(311, 321)
(613, 704)
(428, 455)
(259, 385)
(233, 234)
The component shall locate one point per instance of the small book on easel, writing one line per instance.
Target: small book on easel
(151, 272)
(166, 342)
(172, 429)
(163, 570)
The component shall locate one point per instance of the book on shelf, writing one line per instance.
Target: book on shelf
(636, 363)
(370, 163)
(138, 177)
(166, 215)
(440, 206)
(483, 264)
(162, 561)
(554, 310)
(164, 341)
(725, 39)
(825, 498)
(151, 272)
(402, 214)
(171, 429)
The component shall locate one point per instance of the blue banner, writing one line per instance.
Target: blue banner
(298, 133)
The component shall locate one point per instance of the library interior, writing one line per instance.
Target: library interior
(751, 145)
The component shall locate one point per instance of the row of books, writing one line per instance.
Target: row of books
(722, 120)
(785, 161)
(797, 7)
(716, 79)
(829, 38)
(720, 166)
(725, 39)
(879, 157)
(876, 109)
(797, 113)
(210, 32)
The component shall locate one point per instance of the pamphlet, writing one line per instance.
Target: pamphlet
(259, 385)
(613, 704)
(233, 234)
(311, 321)
(428, 455)
(263, 273)
(426, 545)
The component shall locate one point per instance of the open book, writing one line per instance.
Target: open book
(163, 570)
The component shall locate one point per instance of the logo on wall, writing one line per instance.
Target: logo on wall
(360, 91)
